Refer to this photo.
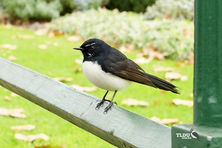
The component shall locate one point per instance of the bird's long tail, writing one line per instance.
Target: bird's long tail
(162, 84)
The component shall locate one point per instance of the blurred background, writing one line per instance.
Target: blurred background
(40, 35)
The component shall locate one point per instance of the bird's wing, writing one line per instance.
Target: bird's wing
(129, 70)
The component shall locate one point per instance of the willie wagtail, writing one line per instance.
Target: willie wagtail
(109, 69)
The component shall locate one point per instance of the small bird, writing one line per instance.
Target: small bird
(109, 69)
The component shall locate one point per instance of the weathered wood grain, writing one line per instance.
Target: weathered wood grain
(119, 127)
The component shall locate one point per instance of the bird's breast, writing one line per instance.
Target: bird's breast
(102, 79)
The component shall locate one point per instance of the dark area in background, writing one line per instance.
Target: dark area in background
(130, 5)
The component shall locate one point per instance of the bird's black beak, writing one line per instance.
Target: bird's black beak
(78, 48)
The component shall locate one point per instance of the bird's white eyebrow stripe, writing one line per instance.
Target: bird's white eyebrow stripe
(90, 44)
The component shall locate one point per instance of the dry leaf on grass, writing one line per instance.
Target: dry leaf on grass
(55, 33)
(163, 69)
(183, 78)
(74, 38)
(42, 46)
(17, 113)
(52, 43)
(86, 89)
(183, 102)
(134, 102)
(21, 36)
(142, 60)
(175, 76)
(7, 98)
(14, 95)
(12, 58)
(23, 127)
(63, 79)
(8, 46)
(165, 121)
(41, 32)
(31, 138)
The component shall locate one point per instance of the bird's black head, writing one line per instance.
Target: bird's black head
(92, 48)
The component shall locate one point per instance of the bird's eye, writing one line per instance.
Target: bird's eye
(90, 54)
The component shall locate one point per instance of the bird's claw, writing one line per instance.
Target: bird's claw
(109, 106)
(101, 103)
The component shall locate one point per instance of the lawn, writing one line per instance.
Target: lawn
(57, 60)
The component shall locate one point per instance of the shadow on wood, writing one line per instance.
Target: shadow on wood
(119, 127)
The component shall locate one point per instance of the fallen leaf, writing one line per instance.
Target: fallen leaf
(21, 36)
(23, 127)
(175, 76)
(134, 102)
(142, 60)
(18, 113)
(31, 138)
(86, 89)
(183, 78)
(7, 98)
(74, 38)
(163, 69)
(52, 43)
(63, 79)
(42, 46)
(183, 102)
(55, 33)
(172, 75)
(51, 34)
(41, 32)
(14, 95)
(12, 58)
(8, 46)
(166, 121)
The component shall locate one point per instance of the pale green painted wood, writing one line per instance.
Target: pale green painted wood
(119, 127)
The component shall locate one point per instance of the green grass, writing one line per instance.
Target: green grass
(57, 61)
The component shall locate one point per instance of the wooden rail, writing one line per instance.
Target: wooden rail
(119, 127)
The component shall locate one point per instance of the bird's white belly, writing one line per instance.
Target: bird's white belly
(107, 81)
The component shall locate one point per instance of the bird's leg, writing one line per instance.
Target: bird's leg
(102, 101)
(111, 103)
